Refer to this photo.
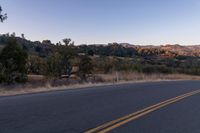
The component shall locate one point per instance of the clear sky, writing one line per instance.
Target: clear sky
(103, 21)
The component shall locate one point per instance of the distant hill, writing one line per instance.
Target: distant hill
(113, 49)
(190, 50)
(32, 47)
(183, 50)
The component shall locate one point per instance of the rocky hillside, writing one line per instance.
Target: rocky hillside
(193, 50)
(189, 50)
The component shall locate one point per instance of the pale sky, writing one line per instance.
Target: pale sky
(143, 22)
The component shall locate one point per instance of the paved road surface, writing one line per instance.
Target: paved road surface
(76, 111)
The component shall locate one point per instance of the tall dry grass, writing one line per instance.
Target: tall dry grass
(134, 76)
(38, 84)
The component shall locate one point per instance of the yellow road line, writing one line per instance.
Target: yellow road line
(123, 120)
(142, 114)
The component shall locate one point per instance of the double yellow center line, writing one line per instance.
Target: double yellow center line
(131, 117)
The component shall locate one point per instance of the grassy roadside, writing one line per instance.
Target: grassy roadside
(108, 79)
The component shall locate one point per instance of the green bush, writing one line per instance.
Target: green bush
(13, 64)
(85, 67)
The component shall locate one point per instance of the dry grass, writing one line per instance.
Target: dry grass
(127, 76)
(108, 79)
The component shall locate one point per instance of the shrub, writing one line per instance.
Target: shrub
(85, 67)
(13, 64)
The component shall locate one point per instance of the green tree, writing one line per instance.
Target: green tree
(13, 62)
(36, 65)
(2, 16)
(67, 42)
(85, 67)
(67, 55)
(54, 66)
(59, 63)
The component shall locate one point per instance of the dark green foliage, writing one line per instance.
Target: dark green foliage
(67, 55)
(59, 63)
(2, 16)
(46, 42)
(36, 65)
(13, 64)
(54, 66)
(67, 41)
(91, 52)
(34, 48)
(106, 50)
(85, 67)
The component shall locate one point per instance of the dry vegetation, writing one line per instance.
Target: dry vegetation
(127, 76)
(38, 84)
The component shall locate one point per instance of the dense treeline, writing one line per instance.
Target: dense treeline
(20, 57)
(114, 49)
(46, 47)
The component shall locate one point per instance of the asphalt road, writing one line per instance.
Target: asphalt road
(75, 111)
